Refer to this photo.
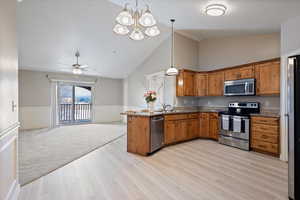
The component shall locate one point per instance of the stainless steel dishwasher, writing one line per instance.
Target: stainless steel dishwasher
(157, 133)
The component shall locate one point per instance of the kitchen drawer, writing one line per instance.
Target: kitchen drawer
(176, 117)
(266, 120)
(265, 137)
(265, 146)
(263, 128)
(193, 116)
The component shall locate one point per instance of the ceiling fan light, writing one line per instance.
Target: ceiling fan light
(152, 31)
(172, 71)
(125, 18)
(120, 29)
(77, 71)
(137, 34)
(147, 19)
(215, 10)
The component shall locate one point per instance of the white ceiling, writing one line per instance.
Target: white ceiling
(51, 30)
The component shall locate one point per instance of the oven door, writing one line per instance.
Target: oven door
(245, 87)
(238, 126)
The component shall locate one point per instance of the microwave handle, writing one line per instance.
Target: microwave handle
(246, 88)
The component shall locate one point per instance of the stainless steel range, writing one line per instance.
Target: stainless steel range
(235, 124)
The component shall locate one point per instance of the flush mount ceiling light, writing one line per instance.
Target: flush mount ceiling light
(172, 71)
(137, 23)
(215, 10)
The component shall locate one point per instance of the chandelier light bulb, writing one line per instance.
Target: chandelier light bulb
(125, 18)
(137, 34)
(152, 31)
(120, 29)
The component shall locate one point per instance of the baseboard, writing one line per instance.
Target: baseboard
(14, 191)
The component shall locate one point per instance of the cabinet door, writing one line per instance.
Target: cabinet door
(239, 73)
(181, 130)
(204, 125)
(213, 126)
(189, 78)
(216, 83)
(185, 83)
(201, 84)
(169, 132)
(138, 135)
(268, 78)
(193, 129)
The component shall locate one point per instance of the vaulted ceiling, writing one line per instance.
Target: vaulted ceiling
(50, 31)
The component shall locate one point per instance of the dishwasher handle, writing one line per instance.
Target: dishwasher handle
(157, 119)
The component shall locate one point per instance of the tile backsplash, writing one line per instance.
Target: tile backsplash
(267, 102)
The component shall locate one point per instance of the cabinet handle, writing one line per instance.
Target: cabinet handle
(262, 146)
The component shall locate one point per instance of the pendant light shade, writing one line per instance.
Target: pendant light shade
(172, 71)
(147, 19)
(152, 31)
(125, 18)
(120, 29)
(137, 34)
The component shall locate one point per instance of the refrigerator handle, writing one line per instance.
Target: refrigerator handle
(287, 122)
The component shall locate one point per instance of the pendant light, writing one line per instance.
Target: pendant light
(172, 71)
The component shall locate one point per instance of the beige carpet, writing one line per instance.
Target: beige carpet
(42, 151)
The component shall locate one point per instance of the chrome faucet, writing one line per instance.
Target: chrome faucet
(166, 106)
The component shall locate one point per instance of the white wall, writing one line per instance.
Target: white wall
(9, 184)
(35, 99)
(231, 51)
(290, 45)
(186, 56)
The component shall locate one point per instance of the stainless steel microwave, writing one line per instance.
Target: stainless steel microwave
(244, 87)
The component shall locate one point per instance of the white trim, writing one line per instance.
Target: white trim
(8, 130)
(14, 191)
(8, 143)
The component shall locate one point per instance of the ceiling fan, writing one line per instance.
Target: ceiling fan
(77, 68)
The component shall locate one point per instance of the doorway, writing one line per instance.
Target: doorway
(74, 104)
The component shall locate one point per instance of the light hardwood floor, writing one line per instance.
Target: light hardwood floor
(200, 169)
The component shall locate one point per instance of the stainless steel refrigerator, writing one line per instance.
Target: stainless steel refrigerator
(293, 116)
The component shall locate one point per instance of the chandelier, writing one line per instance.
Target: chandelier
(137, 23)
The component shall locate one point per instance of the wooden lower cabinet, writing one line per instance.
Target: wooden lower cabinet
(214, 126)
(138, 135)
(265, 135)
(169, 132)
(204, 125)
(192, 128)
(209, 125)
(180, 128)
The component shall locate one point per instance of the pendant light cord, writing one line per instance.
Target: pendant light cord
(173, 43)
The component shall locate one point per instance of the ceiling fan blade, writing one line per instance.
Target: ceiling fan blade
(83, 66)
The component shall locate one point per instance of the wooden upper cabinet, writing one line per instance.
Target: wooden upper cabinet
(239, 73)
(201, 84)
(215, 83)
(268, 78)
(185, 83)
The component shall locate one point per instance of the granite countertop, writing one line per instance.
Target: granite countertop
(182, 110)
(267, 113)
(177, 111)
